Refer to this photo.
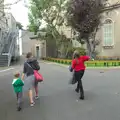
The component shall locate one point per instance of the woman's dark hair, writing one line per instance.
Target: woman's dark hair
(29, 54)
(76, 54)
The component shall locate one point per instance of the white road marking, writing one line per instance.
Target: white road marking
(6, 70)
(50, 63)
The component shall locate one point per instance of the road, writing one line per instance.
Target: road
(58, 100)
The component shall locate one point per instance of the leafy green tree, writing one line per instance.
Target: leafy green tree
(52, 12)
(71, 50)
(19, 25)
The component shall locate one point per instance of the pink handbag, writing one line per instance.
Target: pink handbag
(38, 76)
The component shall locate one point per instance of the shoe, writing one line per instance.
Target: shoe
(36, 97)
(82, 97)
(32, 104)
(77, 90)
(19, 109)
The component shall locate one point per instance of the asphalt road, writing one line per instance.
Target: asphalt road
(58, 101)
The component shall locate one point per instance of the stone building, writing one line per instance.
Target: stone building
(109, 33)
(31, 43)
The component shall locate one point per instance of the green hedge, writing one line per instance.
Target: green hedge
(88, 63)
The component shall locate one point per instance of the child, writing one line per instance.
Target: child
(18, 85)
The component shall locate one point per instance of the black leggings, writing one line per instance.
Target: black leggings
(78, 77)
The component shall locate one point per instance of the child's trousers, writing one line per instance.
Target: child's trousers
(19, 99)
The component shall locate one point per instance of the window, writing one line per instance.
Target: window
(108, 33)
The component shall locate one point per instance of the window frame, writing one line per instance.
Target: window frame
(103, 33)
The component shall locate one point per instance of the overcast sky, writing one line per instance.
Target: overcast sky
(19, 11)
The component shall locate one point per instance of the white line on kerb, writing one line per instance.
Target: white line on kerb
(6, 70)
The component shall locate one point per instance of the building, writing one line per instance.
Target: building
(9, 37)
(12, 28)
(11, 22)
(3, 20)
(3, 26)
(31, 43)
(109, 33)
(9, 47)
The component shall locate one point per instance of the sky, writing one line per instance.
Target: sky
(19, 11)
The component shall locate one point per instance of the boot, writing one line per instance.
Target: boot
(77, 90)
(82, 96)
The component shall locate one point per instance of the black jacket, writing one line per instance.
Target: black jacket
(30, 65)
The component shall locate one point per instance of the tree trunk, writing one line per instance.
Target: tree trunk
(89, 48)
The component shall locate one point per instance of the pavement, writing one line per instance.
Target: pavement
(58, 100)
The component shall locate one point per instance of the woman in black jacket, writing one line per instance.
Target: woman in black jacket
(30, 65)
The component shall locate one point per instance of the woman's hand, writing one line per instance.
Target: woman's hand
(70, 68)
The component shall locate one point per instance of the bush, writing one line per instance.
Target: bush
(96, 63)
(113, 58)
(66, 62)
(61, 61)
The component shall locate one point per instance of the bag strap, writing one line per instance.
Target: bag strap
(29, 65)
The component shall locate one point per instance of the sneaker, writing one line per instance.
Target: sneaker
(19, 109)
(36, 97)
(32, 104)
(77, 90)
(82, 98)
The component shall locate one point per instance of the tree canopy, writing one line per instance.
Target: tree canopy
(85, 17)
(52, 12)
(19, 25)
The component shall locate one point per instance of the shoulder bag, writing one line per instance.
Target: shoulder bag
(38, 76)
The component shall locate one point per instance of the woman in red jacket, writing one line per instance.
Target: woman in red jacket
(79, 69)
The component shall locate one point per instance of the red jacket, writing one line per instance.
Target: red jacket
(80, 65)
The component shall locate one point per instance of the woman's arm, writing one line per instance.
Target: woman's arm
(23, 76)
(86, 58)
(73, 64)
(24, 71)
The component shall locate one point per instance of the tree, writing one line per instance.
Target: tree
(52, 12)
(85, 17)
(4, 5)
(19, 25)
(71, 50)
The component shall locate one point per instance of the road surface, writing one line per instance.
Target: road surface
(58, 100)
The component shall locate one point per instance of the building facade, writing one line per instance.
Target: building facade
(11, 22)
(3, 19)
(108, 34)
(31, 43)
